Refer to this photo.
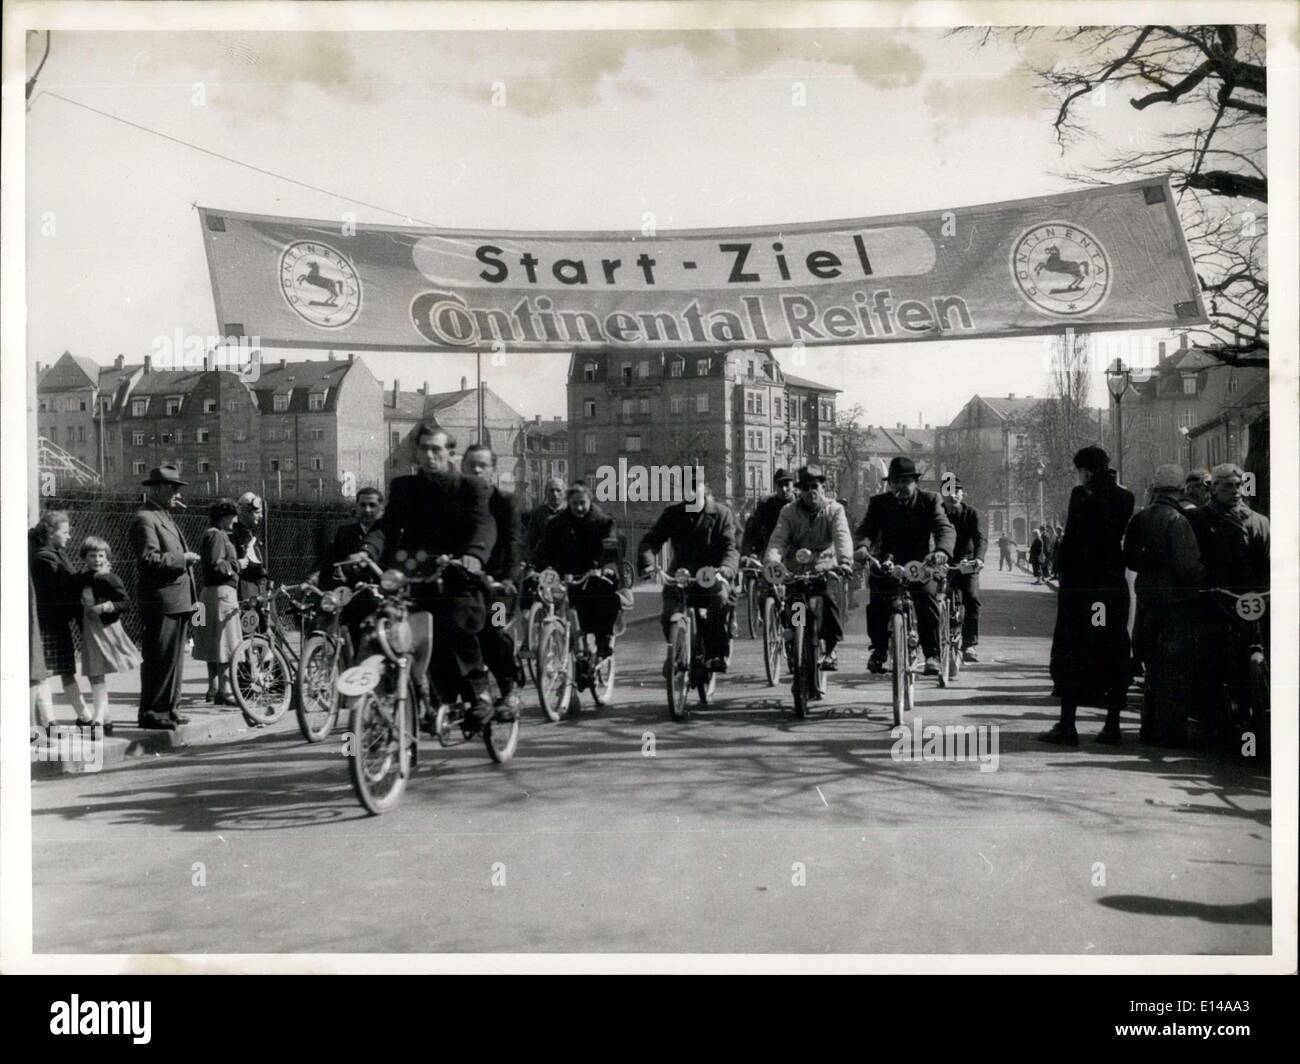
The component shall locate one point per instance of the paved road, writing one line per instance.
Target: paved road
(746, 831)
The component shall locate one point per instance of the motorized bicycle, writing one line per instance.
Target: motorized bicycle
(688, 663)
(387, 692)
(1241, 695)
(952, 618)
(798, 596)
(749, 590)
(326, 650)
(566, 661)
(264, 664)
(905, 659)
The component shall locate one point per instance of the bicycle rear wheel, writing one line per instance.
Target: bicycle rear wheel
(261, 680)
(945, 644)
(532, 639)
(317, 702)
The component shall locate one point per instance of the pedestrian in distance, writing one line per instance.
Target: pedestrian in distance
(165, 597)
(105, 646)
(1005, 543)
(220, 632)
(1036, 555)
(1090, 662)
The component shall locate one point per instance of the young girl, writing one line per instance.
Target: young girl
(55, 584)
(105, 646)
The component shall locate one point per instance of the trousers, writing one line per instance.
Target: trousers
(162, 646)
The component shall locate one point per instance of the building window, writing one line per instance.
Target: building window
(761, 437)
(394, 440)
(589, 443)
(1232, 382)
(702, 403)
(997, 520)
(44, 406)
(204, 465)
(317, 462)
(288, 465)
(137, 467)
(137, 439)
(629, 408)
(643, 369)
(749, 402)
(776, 407)
(167, 437)
(209, 406)
(676, 368)
(627, 373)
(644, 405)
(232, 405)
(316, 401)
(1189, 385)
(275, 465)
(826, 410)
(81, 433)
(281, 402)
(139, 407)
(827, 445)
(1187, 419)
(676, 405)
(201, 436)
(589, 408)
(317, 434)
(173, 405)
(632, 444)
(702, 366)
(750, 372)
(241, 465)
(180, 466)
(589, 371)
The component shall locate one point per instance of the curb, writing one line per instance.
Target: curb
(72, 755)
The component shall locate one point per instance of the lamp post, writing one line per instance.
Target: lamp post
(1041, 470)
(1118, 376)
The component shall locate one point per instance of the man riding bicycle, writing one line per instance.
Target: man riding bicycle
(899, 526)
(758, 529)
(970, 546)
(440, 511)
(701, 536)
(578, 540)
(816, 522)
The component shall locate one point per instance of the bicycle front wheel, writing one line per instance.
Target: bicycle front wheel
(773, 640)
(898, 651)
(261, 680)
(374, 761)
(679, 671)
(752, 618)
(945, 644)
(317, 702)
(554, 670)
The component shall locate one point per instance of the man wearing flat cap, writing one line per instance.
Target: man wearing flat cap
(762, 522)
(970, 546)
(905, 524)
(1160, 546)
(165, 595)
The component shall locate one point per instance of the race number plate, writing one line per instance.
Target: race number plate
(248, 621)
(1251, 607)
(360, 678)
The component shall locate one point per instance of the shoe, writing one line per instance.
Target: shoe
(178, 719)
(717, 664)
(211, 695)
(1059, 735)
(222, 700)
(931, 667)
(970, 657)
(506, 707)
(1110, 735)
(876, 663)
(108, 727)
(153, 723)
(479, 714)
(830, 662)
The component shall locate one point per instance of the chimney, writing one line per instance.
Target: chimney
(464, 384)
(331, 356)
(283, 362)
(119, 362)
(351, 355)
(558, 417)
(209, 360)
(537, 419)
(148, 363)
(1011, 395)
(425, 389)
(397, 387)
(1160, 347)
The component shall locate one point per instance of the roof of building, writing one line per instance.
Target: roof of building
(1010, 405)
(804, 382)
(298, 380)
(421, 406)
(167, 382)
(63, 373)
(547, 428)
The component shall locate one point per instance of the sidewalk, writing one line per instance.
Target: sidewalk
(70, 754)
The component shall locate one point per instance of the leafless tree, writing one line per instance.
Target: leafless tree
(1207, 90)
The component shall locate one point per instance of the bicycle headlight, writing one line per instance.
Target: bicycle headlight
(329, 602)
(682, 578)
(392, 581)
(803, 556)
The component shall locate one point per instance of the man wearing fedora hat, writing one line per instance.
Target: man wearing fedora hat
(816, 521)
(905, 524)
(165, 595)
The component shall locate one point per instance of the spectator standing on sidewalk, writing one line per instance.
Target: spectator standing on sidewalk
(58, 602)
(220, 632)
(246, 536)
(1090, 661)
(1049, 550)
(1004, 553)
(1036, 556)
(105, 646)
(1160, 546)
(165, 595)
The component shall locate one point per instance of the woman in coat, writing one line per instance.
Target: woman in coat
(1090, 647)
(58, 602)
(219, 633)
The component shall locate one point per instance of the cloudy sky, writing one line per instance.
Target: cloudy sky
(697, 128)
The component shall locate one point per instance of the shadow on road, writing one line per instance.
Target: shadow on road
(1259, 911)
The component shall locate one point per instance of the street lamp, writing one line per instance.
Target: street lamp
(1041, 469)
(1118, 376)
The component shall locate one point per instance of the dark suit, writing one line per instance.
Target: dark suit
(535, 530)
(429, 515)
(497, 638)
(252, 578)
(706, 537)
(907, 532)
(758, 529)
(574, 546)
(349, 539)
(166, 595)
(971, 545)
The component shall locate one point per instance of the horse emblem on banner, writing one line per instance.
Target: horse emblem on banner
(1060, 268)
(320, 284)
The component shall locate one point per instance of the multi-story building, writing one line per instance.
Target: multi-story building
(458, 414)
(73, 396)
(1163, 409)
(202, 421)
(321, 427)
(734, 413)
(544, 448)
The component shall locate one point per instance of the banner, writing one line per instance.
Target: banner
(1104, 258)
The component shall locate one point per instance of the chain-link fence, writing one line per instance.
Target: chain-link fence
(292, 538)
